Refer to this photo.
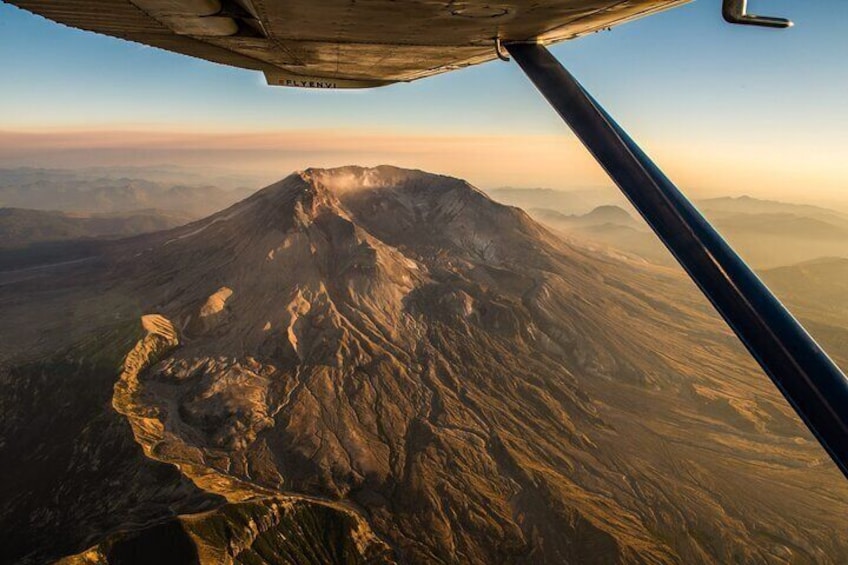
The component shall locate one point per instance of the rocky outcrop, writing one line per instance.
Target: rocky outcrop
(258, 521)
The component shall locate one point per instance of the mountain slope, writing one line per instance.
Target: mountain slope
(399, 347)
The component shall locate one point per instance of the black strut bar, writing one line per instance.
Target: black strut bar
(807, 377)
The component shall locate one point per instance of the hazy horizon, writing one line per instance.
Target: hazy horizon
(235, 177)
(724, 110)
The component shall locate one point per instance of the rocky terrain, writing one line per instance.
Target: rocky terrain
(381, 365)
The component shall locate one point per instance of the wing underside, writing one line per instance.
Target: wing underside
(342, 43)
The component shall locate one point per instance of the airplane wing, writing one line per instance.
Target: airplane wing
(342, 43)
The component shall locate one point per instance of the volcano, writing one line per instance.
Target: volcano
(381, 365)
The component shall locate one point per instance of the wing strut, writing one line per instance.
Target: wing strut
(806, 376)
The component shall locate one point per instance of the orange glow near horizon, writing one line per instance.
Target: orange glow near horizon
(552, 161)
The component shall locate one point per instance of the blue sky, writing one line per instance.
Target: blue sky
(767, 106)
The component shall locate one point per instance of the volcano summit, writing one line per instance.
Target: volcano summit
(381, 365)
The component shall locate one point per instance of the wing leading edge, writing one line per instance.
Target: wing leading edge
(342, 43)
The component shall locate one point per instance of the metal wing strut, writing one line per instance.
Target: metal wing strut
(807, 377)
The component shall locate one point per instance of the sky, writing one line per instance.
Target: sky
(724, 110)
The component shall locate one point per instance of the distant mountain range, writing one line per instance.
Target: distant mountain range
(95, 191)
(766, 233)
(34, 237)
(164, 174)
(20, 227)
(600, 216)
(386, 366)
(52, 215)
(568, 202)
(749, 205)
